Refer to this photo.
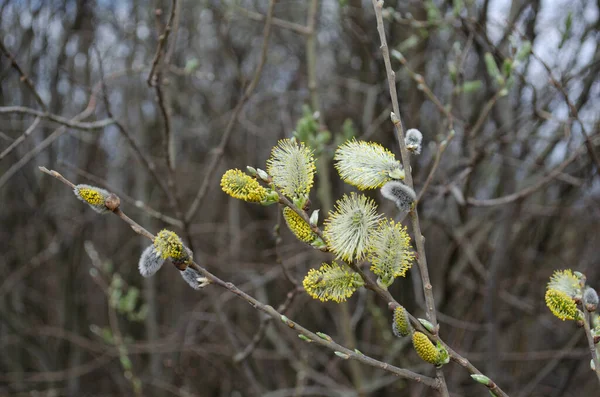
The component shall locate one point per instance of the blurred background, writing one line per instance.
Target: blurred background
(99, 92)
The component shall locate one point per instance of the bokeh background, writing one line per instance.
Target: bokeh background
(514, 197)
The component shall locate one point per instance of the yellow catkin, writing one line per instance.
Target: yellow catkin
(169, 245)
(331, 282)
(401, 326)
(425, 348)
(298, 226)
(241, 186)
(561, 305)
(91, 196)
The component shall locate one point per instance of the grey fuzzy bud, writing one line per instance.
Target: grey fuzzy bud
(590, 299)
(150, 261)
(400, 194)
(413, 140)
(193, 278)
(262, 174)
(93, 196)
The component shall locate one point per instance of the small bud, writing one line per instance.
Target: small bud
(384, 283)
(319, 244)
(592, 365)
(413, 140)
(397, 174)
(271, 198)
(342, 355)
(194, 279)
(484, 380)
(314, 218)
(263, 175)
(150, 261)
(284, 319)
(581, 277)
(358, 352)
(395, 119)
(427, 325)
(112, 202)
(251, 170)
(398, 55)
(399, 193)
(590, 299)
(305, 338)
(324, 336)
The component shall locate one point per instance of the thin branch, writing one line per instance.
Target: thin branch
(325, 342)
(311, 56)
(21, 139)
(136, 203)
(436, 162)
(24, 77)
(294, 27)
(587, 323)
(160, 48)
(419, 239)
(145, 160)
(219, 150)
(46, 142)
(262, 329)
(555, 173)
(71, 123)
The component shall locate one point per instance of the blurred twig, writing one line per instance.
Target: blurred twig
(219, 150)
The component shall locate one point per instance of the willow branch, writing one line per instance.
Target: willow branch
(326, 342)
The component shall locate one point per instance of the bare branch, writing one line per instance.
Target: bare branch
(218, 151)
(71, 123)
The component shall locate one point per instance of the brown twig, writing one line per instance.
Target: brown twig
(145, 160)
(136, 203)
(219, 150)
(436, 162)
(262, 329)
(46, 142)
(294, 27)
(71, 123)
(391, 77)
(21, 138)
(587, 323)
(24, 77)
(556, 172)
(572, 108)
(160, 48)
(422, 85)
